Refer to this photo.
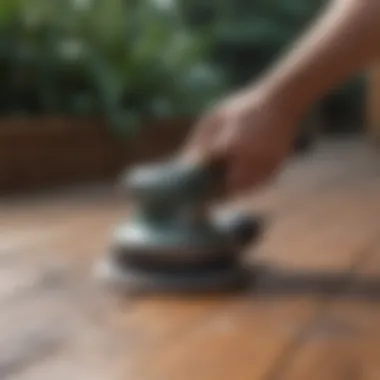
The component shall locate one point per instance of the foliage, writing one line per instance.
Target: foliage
(250, 35)
(127, 59)
(136, 59)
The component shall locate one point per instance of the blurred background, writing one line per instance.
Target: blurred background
(88, 86)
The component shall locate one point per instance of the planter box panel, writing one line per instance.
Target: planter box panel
(55, 151)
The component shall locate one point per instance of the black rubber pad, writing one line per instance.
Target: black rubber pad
(159, 263)
(130, 279)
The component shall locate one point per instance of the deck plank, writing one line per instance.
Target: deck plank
(58, 322)
(344, 343)
(256, 342)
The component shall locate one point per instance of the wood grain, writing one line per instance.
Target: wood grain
(344, 343)
(312, 313)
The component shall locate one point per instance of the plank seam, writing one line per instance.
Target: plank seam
(290, 351)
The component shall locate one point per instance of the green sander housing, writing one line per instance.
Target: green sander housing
(171, 242)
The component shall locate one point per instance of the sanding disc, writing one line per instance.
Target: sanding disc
(129, 279)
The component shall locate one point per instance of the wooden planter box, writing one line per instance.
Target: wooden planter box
(373, 104)
(53, 151)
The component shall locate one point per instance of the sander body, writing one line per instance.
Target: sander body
(171, 242)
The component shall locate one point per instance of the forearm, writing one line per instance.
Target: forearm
(343, 41)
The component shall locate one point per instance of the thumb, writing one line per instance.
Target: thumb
(224, 141)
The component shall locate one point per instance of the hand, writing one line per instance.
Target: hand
(251, 132)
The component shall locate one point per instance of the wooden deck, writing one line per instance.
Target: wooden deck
(314, 313)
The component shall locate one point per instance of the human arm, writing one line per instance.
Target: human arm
(255, 128)
(344, 40)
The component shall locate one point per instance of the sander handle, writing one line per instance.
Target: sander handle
(214, 168)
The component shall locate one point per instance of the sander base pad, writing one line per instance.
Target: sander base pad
(131, 279)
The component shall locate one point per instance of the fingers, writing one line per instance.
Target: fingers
(246, 177)
(250, 164)
(250, 156)
(203, 136)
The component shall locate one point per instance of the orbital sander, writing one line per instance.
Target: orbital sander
(171, 241)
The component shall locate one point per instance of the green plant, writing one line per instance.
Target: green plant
(128, 60)
(250, 35)
(131, 60)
